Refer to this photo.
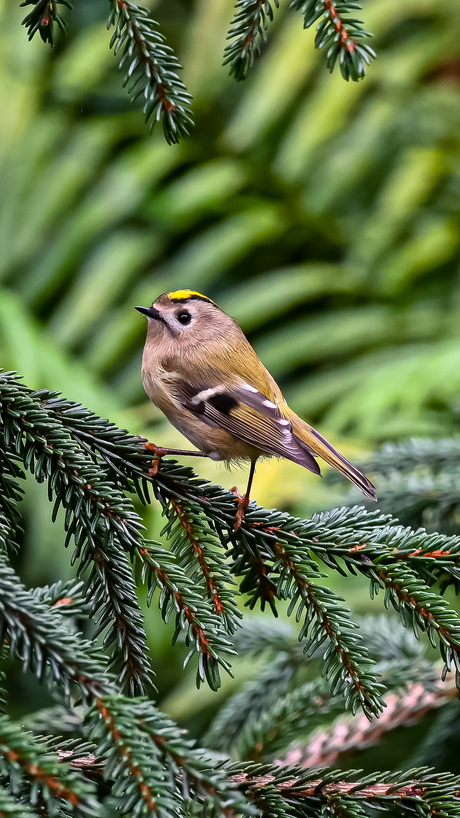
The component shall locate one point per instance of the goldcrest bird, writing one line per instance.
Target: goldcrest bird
(201, 371)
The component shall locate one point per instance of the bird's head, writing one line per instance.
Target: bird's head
(186, 317)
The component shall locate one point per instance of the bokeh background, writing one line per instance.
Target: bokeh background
(323, 215)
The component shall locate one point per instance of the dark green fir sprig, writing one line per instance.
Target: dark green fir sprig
(44, 18)
(343, 37)
(113, 750)
(419, 481)
(248, 30)
(151, 67)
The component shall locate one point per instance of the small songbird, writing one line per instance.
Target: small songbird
(201, 371)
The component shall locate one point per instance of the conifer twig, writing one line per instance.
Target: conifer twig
(203, 629)
(150, 756)
(352, 733)
(298, 786)
(104, 525)
(247, 30)
(37, 635)
(97, 515)
(43, 17)
(343, 36)
(197, 548)
(30, 758)
(151, 68)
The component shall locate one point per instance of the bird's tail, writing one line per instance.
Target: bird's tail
(307, 436)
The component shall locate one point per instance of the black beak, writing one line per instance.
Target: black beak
(150, 312)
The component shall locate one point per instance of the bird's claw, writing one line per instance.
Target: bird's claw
(159, 452)
(243, 503)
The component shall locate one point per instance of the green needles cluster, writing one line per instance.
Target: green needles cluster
(151, 66)
(102, 687)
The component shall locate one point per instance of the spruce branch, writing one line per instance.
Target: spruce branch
(345, 539)
(294, 574)
(11, 494)
(351, 733)
(67, 596)
(346, 662)
(104, 525)
(36, 635)
(43, 18)
(11, 808)
(203, 629)
(311, 790)
(198, 552)
(238, 716)
(422, 610)
(406, 456)
(247, 31)
(151, 69)
(155, 768)
(98, 516)
(294, 712)
(343, 36)
(259, 634)
(57, 719)
(25, 758)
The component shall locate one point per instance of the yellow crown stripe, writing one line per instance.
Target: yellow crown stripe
(180, 295)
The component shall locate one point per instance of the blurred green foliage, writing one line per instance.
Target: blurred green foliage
(323, 215)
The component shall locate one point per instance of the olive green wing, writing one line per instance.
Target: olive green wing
(240, 409)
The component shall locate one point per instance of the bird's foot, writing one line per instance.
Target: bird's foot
(159, 452)
(243, 503)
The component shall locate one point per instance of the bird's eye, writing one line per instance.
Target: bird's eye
(184, 317)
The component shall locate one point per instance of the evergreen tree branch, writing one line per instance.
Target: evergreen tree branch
(294, 574)
(67, 596)
(149, 757)
(292, 713)
(343, 36)
(151, 69)
(325, 617)
(98, 516)
(259, 634)
(25, 757)
(247, 707)
(43, 18)
(423, 496)
(358, 539)
(346, 661)
(421, 609)
(404, 457)
(57, 719)
(271, 709)
(203, 629)
(37, 636)
(299, 710)
(196, 547)
(11, 494)
(389, 641)
(301, 789)
(406, 706)
(11, 808)
(247, 31)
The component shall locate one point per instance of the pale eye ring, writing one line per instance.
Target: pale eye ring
(184, 317)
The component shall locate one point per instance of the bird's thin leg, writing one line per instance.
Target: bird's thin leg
(159, 452)
(243, 500)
